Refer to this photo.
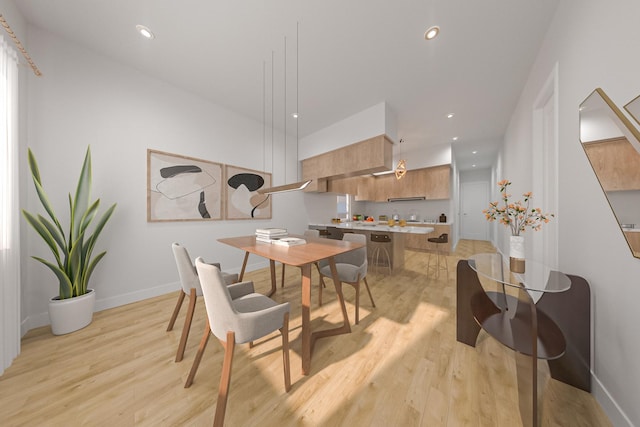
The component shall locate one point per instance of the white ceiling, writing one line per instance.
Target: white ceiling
(352, 54)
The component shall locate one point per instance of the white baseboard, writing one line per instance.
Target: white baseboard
(609, 405)
(42, 319)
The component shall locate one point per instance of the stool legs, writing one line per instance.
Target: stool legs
(440, 264)
(376, 257)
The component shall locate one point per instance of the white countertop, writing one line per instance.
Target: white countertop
(372, 226)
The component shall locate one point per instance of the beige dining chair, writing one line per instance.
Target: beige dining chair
(190, 286)
(311, 234)
(352, 268)
(241, 320)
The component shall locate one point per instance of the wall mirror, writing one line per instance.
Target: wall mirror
(633, 108)
(612, 145)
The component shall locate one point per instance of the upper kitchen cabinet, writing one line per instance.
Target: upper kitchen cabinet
(364, 157)
(431, 183)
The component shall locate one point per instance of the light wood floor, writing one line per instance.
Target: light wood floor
(401, 366)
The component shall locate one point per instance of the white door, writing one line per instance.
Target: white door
(474, 198)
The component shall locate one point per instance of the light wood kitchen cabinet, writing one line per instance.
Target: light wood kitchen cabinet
(431, 183)
(343, 185)
(364, 157)
(616, 164)
(419, 241)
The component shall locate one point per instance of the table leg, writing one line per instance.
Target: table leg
(306, 296)
(306, 318)
(272, 265)
(244, 266)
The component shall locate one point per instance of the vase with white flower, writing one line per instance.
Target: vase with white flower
(518, 216)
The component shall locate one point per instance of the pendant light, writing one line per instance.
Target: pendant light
(300, 185)
(401, 168)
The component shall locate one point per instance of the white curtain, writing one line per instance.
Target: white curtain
(9, 208)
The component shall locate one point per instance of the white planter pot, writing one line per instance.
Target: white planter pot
(69, 315)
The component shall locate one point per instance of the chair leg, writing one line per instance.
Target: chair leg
(320, 274)
(285, 352)
(198, 358)
(225, 379)
(357, 286)
(176, 310)
(369, 291)
(187, 325)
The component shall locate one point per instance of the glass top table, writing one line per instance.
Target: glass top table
(537, 276)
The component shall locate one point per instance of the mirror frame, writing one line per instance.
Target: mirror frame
(635, 101)
(628, 130)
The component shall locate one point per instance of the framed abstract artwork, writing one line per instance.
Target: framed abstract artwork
(242, 200)
(181, 188)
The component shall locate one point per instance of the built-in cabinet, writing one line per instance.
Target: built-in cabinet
(616, 164)
(419, 241)
(431, 183)
(364, 157)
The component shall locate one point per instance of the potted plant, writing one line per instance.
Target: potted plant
(73, 261)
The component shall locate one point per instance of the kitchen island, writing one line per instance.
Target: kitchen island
(396, 234)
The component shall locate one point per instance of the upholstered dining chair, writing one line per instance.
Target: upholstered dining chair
(352, 268)
(312, 234)
(191, 287)
(241, 320)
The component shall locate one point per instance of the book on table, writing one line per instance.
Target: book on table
(267, 239)
(289, 241)
(271, 231)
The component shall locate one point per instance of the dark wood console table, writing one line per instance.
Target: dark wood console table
(555, 328)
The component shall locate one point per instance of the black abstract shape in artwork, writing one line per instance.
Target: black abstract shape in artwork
(250, 180)
(258, 205)
(202, 207)
(171, 171)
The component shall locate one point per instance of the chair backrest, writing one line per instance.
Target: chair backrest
(356, 257)
(312, 233)
(217, 299)
(186, 270)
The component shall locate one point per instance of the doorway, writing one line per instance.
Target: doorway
(474, 198)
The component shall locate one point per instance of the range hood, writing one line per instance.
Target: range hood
(405, 199)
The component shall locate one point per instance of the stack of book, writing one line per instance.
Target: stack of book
(268, 235)
(289, 241)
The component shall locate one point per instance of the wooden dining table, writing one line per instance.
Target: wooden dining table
(302, 256)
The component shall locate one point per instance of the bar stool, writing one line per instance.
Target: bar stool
(441, 258)
(382, 241)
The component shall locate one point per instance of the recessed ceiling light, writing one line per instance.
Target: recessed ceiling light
(473, 166)
(450, 115)
(455, 138)
(294, 115)
(432, 33)
(475, 152)
(146, 33)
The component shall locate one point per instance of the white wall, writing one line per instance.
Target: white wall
(595, 44)
(86, 99)
(376, 120)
